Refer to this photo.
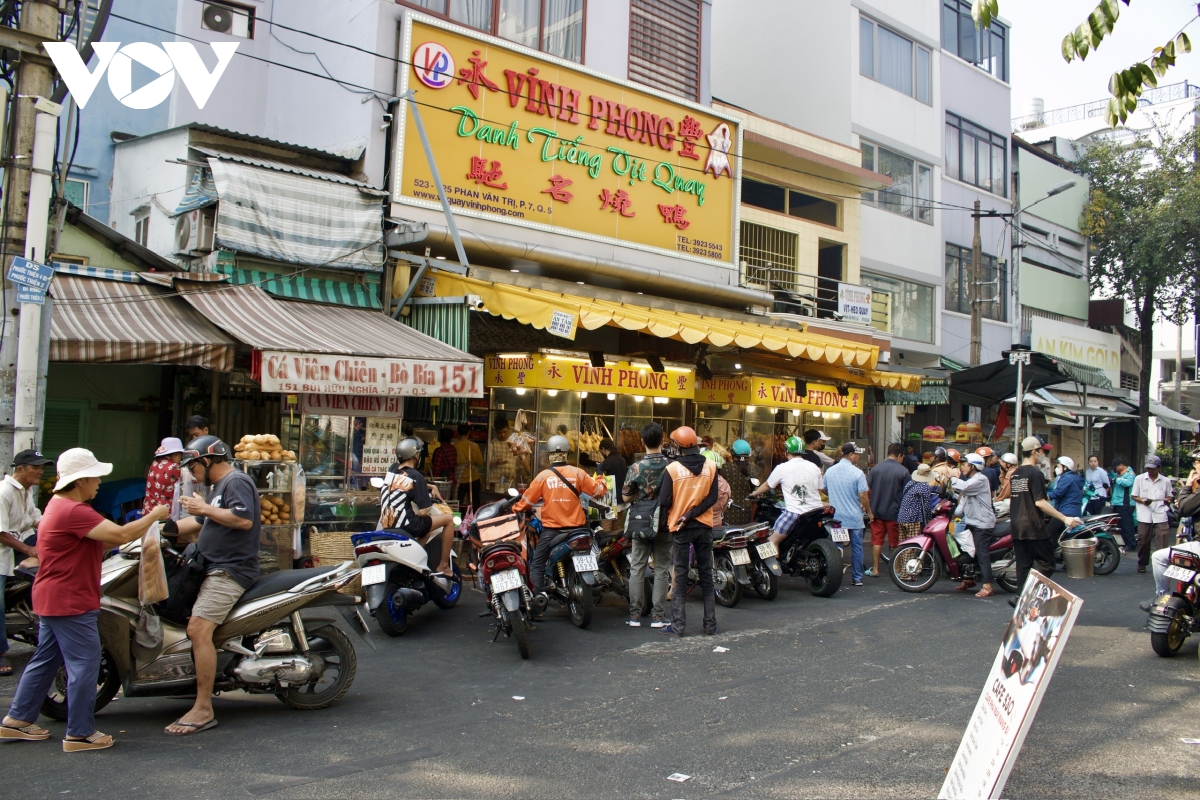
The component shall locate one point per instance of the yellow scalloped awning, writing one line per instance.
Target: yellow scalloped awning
(537, 307)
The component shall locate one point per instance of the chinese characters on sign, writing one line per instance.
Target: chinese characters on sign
(561, 372)
(488, 177)
(854, 303)
(379, 444)
(617, 201)
(558, 189)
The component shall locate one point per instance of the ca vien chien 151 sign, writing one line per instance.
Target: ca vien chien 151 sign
(526, 139)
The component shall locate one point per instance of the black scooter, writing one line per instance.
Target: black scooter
(810, 550)
(1176, 616)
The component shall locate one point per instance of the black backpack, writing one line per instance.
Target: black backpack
(641, 520)
(185, 572)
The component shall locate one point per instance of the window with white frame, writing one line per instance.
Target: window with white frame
(993, 283)
(141, 226)
(912, 306)
(76, 192)
(911, 192)
(895, 61)
(976, 156)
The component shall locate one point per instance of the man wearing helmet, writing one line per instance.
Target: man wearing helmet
(991, 466)
(228, 524)
(404, 487)
(1008, 465)
(557, 488)
(736, 472)
(687, 496)
(979, 516)
(801, 483)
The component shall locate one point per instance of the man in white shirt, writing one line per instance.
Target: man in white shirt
(801, 483)
(1151, 492)
(19, 517)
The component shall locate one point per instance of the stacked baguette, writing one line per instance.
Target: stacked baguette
(275, 511)
(262, 447)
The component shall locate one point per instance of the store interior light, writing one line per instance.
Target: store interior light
(514, 270)
(612, 396)
(749, 408)
(774, 410)
(817, 414)
(552, 392)
(835, 415)
(583, 395)
(520, 390)
(737, 366)
(637, 398)
(661, 400)
(795, 412)
(441, 258)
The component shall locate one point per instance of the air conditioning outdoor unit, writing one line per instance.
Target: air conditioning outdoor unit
(194, 232)
(228, 18)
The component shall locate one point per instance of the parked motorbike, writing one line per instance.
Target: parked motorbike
(810, 549)
(397, 579)
(735, 569)
(571, 570)
(1174, 617)
(503, 570)
(19, 619)
(1105, 528)
(615, 567)
(263, 647)
(918, 562)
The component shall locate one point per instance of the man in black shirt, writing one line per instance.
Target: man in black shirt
(814, 442)
(910, 460)
(613, 464)
(1028, 510)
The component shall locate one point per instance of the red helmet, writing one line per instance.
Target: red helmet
(986, 452)
(953, 455)
(684, 437)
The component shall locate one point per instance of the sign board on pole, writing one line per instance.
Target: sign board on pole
(854, 303)
(1032, 645)
(29, 294)
(30, 273)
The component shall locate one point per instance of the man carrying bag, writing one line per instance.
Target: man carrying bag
(642, 526)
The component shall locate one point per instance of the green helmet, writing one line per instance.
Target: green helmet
(794, 445)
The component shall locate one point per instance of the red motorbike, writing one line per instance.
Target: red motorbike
(917, 563)
(503, 570)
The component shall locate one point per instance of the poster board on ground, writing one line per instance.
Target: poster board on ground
(1032, 644)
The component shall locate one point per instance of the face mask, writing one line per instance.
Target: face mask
(1059, 470)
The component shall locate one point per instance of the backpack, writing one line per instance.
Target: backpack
(641, 520)
(185, 573)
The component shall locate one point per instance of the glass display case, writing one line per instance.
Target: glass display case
(281, 490)
(634, 412)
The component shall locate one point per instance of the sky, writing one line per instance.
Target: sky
(1037, 66)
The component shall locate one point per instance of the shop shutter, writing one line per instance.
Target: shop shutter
(64, 427)
(664, 45)
(449, 323)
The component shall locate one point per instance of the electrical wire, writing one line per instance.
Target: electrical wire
(936, 204)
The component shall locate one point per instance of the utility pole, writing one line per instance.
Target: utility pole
(1178, 404)
(976, 279)
(35, 80)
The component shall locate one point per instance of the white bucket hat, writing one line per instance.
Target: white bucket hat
(170, 446)
(79, 463)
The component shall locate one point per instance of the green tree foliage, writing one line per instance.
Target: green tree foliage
(1125, 86)
(1143, 223)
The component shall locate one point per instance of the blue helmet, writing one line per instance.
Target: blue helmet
(741, 447)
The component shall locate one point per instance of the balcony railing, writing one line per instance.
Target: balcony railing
(1163, 94)
(813, 296)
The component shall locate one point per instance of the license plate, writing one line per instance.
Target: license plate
(768, 550)
(585, 563)
(739, 557)
(374, 574)
(1179, 573)
(840, 537)
(506, 581)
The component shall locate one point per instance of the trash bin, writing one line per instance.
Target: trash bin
(1079, 557)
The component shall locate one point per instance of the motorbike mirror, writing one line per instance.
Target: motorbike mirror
(513, 492)
(377, 483)
(755, 482)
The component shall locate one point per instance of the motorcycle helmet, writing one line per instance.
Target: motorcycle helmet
(953, 455)
(558, 444)
(1195, 454)
(408, 449)
(985, 452)
(1010, 458)
(793, 445)
(1069, 463)
(204, 447)
(685, 439)
(975, 460)
(939, 454)
(741, 447)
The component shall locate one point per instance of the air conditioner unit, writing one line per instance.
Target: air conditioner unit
(227, 18)
(194, 232)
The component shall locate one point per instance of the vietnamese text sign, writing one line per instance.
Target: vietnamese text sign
(352, 405)
(320, 373)
(30, 273)
(1079, 344)
(532, 140)
(854, 303)
(537, 371)
(1032, 645)
(379, 444)
(753, 390)
(28, 294)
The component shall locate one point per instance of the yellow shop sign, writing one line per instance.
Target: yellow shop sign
(537, 371)
(753, 390)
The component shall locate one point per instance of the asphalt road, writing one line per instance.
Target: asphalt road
(865, 694)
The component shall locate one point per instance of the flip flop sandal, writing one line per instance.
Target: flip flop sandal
(985, 593)
(25, 733)
(97, 741)
(965, 586)
(196, 727)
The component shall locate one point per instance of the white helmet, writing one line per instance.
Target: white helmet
(1010, 458)
(975, 460)
(1067, 462)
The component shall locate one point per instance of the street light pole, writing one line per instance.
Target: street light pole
(1020, 358)
(976, 278)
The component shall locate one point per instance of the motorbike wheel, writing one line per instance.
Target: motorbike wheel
(765, 584)
(108, 682)
(336, 649)
(828, 577)
(579, 604)
(729, 591)
(392, 618)
(1108, 556)
(520, 632)
(918, 577)
(1168, 644)
(445, 600)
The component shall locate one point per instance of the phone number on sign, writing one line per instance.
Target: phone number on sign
(700, 247)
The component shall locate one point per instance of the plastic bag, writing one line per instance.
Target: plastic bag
(966, 541)
(152, 573)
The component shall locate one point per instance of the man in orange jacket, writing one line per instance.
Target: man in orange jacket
(558, 488)
(687, 496)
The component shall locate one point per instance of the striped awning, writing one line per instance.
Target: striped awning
(295, 216)
(301, 287)
(118, 322)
